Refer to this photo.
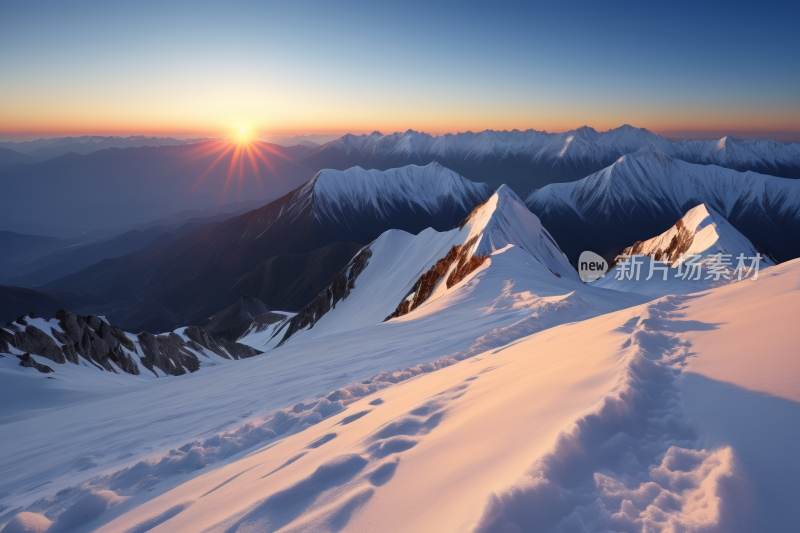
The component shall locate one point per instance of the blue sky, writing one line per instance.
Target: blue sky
(302, 67)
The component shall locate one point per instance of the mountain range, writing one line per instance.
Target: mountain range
(41, 149)
(531, 159)
(467, 353)
(642, 194)
(11, 157)
(125, 186)
(400, 272)
(284, 253)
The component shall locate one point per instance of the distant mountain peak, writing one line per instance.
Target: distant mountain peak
(427, 187)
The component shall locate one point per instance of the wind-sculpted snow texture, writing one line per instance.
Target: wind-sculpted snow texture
(532, 159)
(285, 506)
(644, 193)
(607, 424)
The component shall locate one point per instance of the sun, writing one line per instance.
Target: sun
(243, 134)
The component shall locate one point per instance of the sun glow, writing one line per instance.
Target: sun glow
(237, 155)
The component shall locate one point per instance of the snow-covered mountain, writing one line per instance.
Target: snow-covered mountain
(644, 193)
(702, 232)
(282, 254)
(532, 159)
(400, 273)
(353, 201)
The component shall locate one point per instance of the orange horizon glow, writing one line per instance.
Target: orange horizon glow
(787, 125)
(325, 117)
(359, 130)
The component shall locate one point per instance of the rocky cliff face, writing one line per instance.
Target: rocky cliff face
(71, 338)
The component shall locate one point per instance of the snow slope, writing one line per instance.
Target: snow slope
(642, 194)
(511, 295)
(26, 391)
(676, 415)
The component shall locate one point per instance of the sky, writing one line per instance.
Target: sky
(696, 70)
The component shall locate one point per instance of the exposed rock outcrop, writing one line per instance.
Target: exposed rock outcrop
(168, 353)
(679, 244)
(89, 339)
(95, 340)
(459, 255)
(467, 263)
(424, 286)
(27, 338)
(262, 322)
(25, 360)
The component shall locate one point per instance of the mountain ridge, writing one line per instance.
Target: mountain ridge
(643, 194)
(531, 159)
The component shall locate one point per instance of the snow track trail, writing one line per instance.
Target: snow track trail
(633, 464)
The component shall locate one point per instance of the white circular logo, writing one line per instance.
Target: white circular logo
(591, 266)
